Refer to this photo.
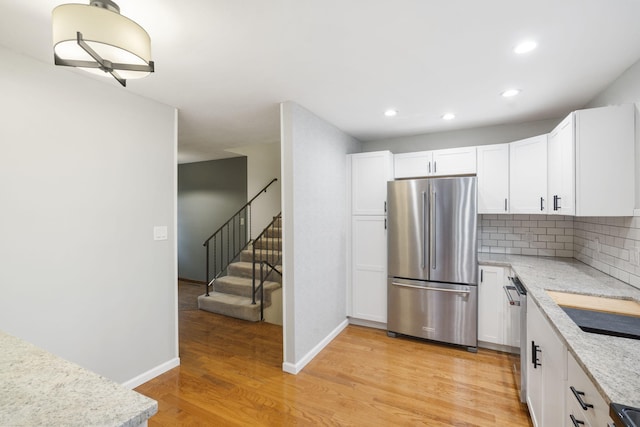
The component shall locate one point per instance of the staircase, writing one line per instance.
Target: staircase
(231, 294)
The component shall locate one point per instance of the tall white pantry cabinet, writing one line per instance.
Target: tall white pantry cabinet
(367, 256)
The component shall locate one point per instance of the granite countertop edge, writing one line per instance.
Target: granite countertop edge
(40, 388)
(610, 362)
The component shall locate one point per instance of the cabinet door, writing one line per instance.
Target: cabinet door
(369, 268)
(369, 175)
(528, 175)
(605, 167)
(534, 365)
(491, 300)
(546, 370)
(561, 168)
(454, 161)
(412, 165)
(493, 178)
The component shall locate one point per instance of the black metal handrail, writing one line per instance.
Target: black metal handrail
(229, 240)
(269, 255)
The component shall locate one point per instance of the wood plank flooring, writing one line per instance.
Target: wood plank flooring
(230, 375)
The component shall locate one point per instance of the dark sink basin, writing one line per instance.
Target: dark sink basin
(618, 325)
(625, 415)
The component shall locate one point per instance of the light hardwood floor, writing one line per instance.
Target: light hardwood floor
(230, 374)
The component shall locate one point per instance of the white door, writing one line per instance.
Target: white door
(561, 168)
(412, 165)
(369, 175)
(454, 161)
(491, 305)
(369, 268)
(493, 178)
(528, 175)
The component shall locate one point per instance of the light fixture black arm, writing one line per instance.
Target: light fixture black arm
(103, 64)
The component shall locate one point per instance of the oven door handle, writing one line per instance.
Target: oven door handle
(429, 288)
(511, 300)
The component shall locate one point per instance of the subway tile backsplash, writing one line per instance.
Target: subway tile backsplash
(540, 235)
(609, 244)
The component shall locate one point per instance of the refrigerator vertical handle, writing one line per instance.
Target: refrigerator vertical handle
(432, 230)
(423, 255)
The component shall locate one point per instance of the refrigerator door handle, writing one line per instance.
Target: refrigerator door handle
(423, 256)
(432, 230)
(428, 288)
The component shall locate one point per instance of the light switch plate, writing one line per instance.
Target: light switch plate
(160, 232)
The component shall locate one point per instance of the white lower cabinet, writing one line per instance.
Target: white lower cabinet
(584, 403)
(369, 268)
(498, 321)
(546, 370)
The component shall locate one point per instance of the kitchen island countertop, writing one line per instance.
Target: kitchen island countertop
(38, 388)
(612, 363)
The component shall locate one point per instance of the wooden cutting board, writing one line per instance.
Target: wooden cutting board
(602, 304)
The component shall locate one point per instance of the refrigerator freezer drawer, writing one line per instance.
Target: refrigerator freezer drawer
(437, 311)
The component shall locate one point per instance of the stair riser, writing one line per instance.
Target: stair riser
(239, 271)
(247, 256)
(243, 291)
(274, 232)
(245, 312)
(269, 243)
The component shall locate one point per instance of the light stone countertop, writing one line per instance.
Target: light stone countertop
(612, 363)
(38, 388)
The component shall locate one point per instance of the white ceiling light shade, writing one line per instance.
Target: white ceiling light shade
(510, 92)
(448, 116)
(525, 46)
(96, 38)
(391, 113)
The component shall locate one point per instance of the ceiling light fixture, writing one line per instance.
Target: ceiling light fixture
(391, 113)
(525, 46)
(448, 116)
(510, 92)
(97, 39)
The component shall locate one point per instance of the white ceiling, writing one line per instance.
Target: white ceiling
(227, 64)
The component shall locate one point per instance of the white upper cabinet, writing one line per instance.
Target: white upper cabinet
(454, 161)
(528, 175)
(493, 178)
(605, 158)
(412, 165)
(369, 175)
(561, 169)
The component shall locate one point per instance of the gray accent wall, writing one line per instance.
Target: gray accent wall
(87, 171)
(209, 193)
(486, 135)
(314, 155)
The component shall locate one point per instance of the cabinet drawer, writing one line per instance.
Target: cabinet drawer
(597, 411)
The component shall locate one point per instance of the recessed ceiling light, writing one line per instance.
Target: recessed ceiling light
(525, 46)
(448, 116)
(391, 113)
(510, 92)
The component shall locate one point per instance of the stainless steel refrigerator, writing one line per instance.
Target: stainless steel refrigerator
(433, 259)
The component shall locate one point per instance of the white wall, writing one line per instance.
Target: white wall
(86, 171)
(263, 164)
(463, 138)
(314, 232)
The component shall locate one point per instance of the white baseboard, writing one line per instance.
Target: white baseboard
(367, 323)
(295, 368)
(152, 373)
